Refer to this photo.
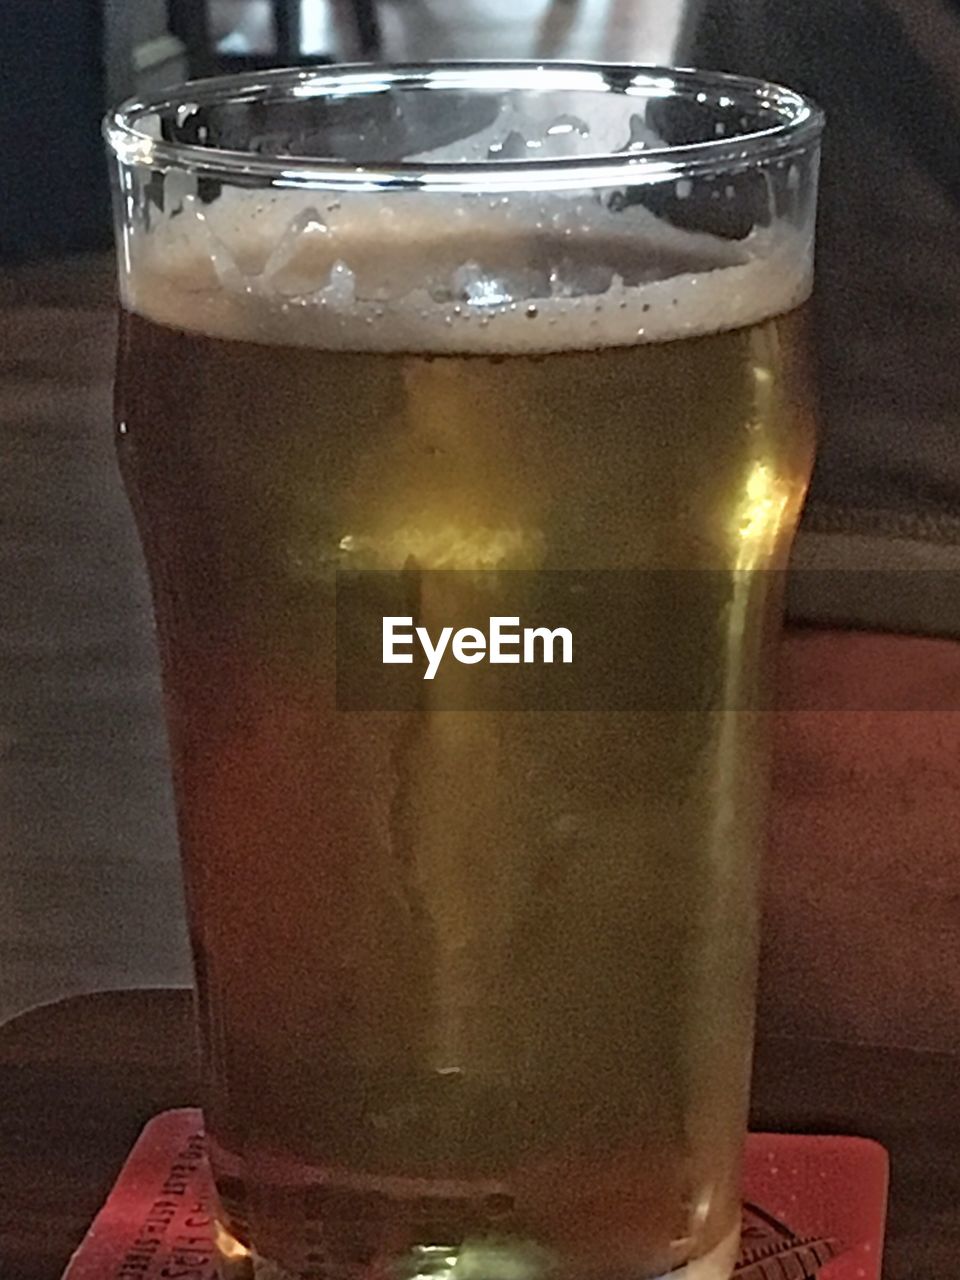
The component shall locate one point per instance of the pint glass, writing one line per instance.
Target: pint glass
(475, 986)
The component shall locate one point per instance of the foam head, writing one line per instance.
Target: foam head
(416, 271)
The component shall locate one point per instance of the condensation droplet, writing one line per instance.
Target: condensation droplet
(532, 311)
(684, 189)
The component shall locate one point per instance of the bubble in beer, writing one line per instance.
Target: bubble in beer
(342, 287)
(478, 287)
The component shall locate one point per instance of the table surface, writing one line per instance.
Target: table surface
(78, 1080)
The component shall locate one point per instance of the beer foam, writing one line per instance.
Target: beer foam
(415, 272)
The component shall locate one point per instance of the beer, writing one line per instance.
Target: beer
(475, 988)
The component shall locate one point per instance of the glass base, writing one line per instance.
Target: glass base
(517, 1261)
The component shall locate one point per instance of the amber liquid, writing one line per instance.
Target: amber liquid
(475, 989)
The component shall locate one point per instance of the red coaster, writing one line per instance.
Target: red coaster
(832, 1192)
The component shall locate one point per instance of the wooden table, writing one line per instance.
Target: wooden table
(78, 1080)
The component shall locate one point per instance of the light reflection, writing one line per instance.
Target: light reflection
(759, 514)
(228, 1246)
(509, 79)
(317, 87)
(486, 1261)
(662, 88)
(443, 546)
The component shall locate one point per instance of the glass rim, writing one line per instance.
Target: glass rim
(800, 125)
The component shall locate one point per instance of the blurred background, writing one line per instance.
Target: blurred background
(863, 867)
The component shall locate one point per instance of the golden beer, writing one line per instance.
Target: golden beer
(468, 981)
(475, 980)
